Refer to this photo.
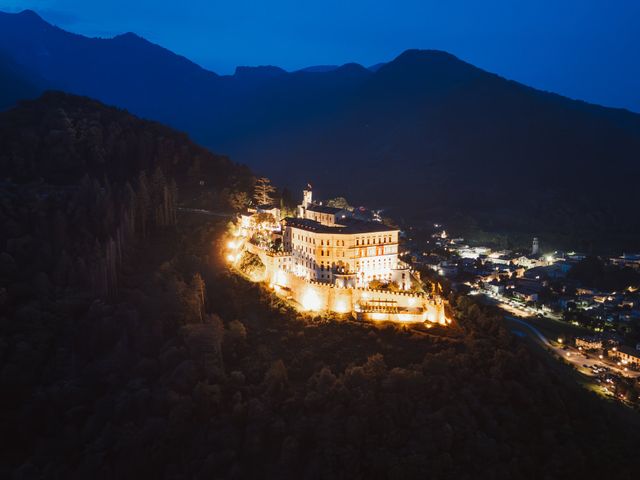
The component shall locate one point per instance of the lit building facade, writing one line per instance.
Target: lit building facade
(352, 254)
(626, 355)
(328, 246)
(589, 343)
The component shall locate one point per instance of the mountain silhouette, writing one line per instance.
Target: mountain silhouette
(426, 134)
(16, 82)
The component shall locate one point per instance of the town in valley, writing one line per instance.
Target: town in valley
(550, 296)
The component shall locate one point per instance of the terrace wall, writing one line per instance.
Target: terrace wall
(317, 296)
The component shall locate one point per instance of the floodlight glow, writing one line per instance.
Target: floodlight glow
(341, 306)
(311, 300)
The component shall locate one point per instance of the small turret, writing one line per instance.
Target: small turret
(307, 199)
(535, 247)
(307, 196)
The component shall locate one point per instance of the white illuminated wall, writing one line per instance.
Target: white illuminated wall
(371, 256)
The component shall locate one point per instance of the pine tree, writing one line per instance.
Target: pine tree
(143, 203)
(159, 197)
(198, 290)
(173, 191)
(129, 215)
(111, 265)
(262, 191)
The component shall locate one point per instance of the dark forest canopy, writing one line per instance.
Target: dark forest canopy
(426, 134)
(81, 183)
(16, 82)
(594, 273)
(60, 138)
(195, 373)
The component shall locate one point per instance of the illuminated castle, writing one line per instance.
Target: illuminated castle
(328, 245)
(329, 260)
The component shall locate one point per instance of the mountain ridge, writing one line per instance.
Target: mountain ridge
(425, 129)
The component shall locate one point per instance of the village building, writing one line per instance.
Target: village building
(589, 343)
(626, 355)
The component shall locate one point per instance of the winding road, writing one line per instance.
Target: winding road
(533, 329)
(574, 356)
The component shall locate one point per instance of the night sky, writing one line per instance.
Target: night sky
(585, 49)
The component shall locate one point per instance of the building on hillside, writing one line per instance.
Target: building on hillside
(535, 246)
(272, 210)
(495, 287)
(525, 294)
(448, 269)
(317, 212)
(325, 259)
(328, 245)
(626, 355)
(631, 260)
(589, 343)
(269, 215)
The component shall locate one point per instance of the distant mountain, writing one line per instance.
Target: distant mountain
(266, 71)
(376, 66)
(426, 134)
(16, 82)
(319, 68)
(127, 70)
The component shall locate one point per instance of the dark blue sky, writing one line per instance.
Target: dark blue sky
(587, 49)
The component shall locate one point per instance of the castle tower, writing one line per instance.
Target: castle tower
(307, 196)
(535, 247)
(307, 199)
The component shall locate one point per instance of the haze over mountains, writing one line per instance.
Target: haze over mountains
(426, 134)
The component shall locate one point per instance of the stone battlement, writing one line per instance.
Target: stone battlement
(311, 295)
(371, 290)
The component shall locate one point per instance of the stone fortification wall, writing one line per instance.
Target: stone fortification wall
(317, 296)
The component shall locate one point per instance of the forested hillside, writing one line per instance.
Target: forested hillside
(129, 350)
(82, 181)
(195, 373)
(60, 138)
(16, 82)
